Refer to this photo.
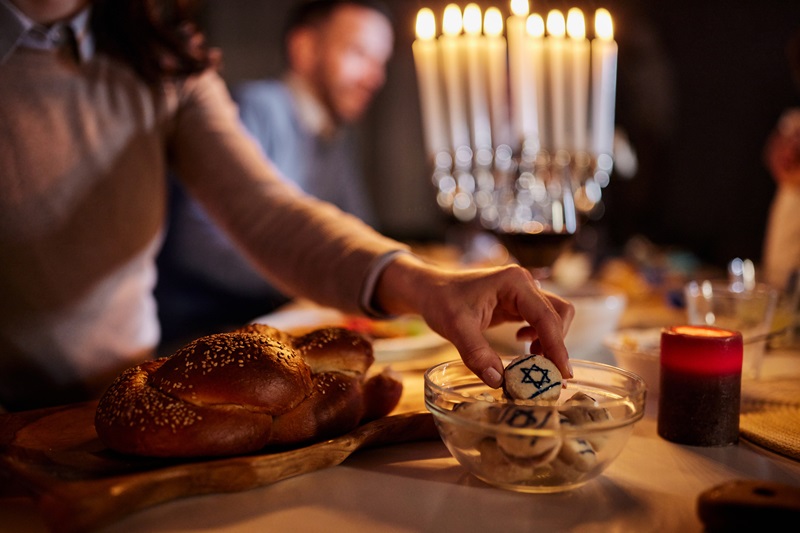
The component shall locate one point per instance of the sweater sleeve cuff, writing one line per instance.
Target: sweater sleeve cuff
(376, 268)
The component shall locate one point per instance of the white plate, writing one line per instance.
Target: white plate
(387, 349)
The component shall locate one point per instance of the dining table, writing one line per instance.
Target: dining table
(653, 485)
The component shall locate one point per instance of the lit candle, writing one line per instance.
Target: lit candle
(700, 385)
(555, 57)
(451, 55)
(497, 68)
(515, 33)
(475, 46)
(578, 53)
(427, 68)
(536, 105)
(604, 83)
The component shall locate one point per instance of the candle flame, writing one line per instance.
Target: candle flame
(451, 20)
(535, 25)
(603, 26)
(702, 331)
(472, 19)
(555, 23)
(576, 26)
(520, 7)
(493, 22)
(426, 24)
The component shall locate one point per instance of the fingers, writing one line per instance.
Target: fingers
(549, 317)
(564, 309)
(480, 358)
(460, 306)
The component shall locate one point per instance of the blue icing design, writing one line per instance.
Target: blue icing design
(524, 418)
(537, 376)
(542, 391)
(585, 447)
(530, 378)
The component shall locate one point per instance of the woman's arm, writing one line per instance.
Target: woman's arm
(319, 252)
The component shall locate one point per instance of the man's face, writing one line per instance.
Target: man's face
(352, 49)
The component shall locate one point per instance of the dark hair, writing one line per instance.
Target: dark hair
(314, 12)
(158, 38)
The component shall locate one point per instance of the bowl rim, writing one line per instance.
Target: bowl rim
(612, 341)
(639, 391)
(584, 429)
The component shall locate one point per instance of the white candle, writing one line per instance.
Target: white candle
(497, 69)
(430, 95)
(475, 47)
(556, 70)
(604, 83)
(578, 79)
(515, 33)
(536, 90)
(450, 47)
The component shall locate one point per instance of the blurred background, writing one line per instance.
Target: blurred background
(700, 86)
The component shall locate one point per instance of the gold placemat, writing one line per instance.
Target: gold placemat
(785, 391)
(771, 415)
(776, 429)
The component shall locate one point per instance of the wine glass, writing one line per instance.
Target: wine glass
(531, 202)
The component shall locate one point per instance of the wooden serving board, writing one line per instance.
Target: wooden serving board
(79, 484)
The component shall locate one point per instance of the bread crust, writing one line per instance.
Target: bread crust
(239, 392)
(136, 418)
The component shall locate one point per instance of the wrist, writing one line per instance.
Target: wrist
(400, 286)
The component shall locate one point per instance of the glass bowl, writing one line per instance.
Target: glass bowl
(535, 446)
(638, 350)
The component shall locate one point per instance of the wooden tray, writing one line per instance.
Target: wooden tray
(79, 484)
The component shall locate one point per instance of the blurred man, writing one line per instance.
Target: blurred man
(336, 53)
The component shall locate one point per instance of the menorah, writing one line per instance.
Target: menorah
(518, 128)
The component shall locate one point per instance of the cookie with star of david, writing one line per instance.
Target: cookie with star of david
(532, 377)
(538, 448)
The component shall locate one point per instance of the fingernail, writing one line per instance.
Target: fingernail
(492, 377)
(569, 367)
(537, 283)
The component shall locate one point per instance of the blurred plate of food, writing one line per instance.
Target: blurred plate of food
(393, 339)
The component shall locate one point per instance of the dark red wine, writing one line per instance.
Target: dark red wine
(535, 250)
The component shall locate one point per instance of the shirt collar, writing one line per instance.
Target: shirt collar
(311, 112)
(18, 30)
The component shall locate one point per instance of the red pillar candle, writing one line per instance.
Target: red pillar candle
(700, 389)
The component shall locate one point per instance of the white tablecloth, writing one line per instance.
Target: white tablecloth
(652, 486)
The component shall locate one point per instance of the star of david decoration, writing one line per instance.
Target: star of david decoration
(530, 376)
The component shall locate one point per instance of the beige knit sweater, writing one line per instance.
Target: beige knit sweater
(83, 155)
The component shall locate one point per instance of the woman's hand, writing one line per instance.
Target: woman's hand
(461, 304)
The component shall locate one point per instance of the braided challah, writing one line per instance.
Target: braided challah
(235, 393)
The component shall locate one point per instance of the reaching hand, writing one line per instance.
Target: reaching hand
(460, 305)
